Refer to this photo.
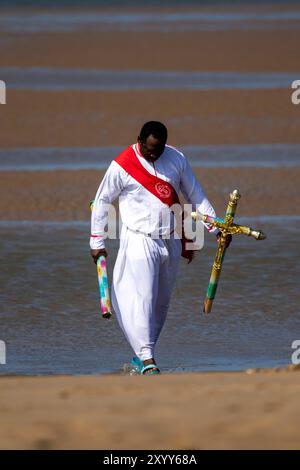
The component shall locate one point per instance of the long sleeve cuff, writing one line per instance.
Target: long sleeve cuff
(209, 210)
(97, 242)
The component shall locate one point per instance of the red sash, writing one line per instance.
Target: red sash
(160, 188)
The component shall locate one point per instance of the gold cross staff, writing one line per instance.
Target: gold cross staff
(226, 227)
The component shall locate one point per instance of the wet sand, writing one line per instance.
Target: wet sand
(204, 411)
(273, 48)
(222, 51)
(64, 195)
(70, 119)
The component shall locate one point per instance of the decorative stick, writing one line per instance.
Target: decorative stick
(103, 283)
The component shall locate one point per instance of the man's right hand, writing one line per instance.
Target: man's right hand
(95, 254)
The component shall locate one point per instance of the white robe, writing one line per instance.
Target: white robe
(146, 268)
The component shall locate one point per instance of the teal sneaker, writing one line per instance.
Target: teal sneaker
(137, 364)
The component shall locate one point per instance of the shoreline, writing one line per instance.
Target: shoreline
(286, 368)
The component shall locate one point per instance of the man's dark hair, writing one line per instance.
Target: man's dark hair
(155, 128)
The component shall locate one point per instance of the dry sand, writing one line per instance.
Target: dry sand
(183, 411)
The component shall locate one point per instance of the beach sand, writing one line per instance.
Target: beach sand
(183, 411)
(109, 118)
(64, 195)
(272, 48)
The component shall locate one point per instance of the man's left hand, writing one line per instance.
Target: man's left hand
(189, 255)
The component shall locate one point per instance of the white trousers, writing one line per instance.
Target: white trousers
(143, 279)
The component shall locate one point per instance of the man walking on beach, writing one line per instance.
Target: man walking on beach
(147, 177)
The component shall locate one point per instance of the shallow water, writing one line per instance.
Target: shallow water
(205, 156)
(50, 318)
(60, 79)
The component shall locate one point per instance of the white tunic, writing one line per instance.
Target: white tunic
(145, 269)
(140, 210)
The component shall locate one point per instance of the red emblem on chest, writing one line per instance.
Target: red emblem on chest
(163, 190)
